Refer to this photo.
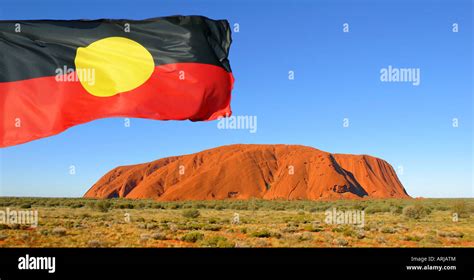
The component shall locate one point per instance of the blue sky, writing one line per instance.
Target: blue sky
(337, 76)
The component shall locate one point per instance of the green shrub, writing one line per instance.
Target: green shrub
(340, 242)
(200, 205)
(90, 204)
(305, 236)
(415, 238)
(4, 226)
(396, 210)
(219, 242)
(359, 234)
(461, 209)
(103, 205)
(212, 227)
(126, 206)
(442, 207)
(175, 206)
(219, 207)
(159, 236)
(191, 226)
(95, 243)
(76, 205)
(261, 234)
(191, 213)
(192, 237)
(416, 211)
(389, 230)
(313, 228)
(371, 209)
(151, 226)
(345, 230)
(140, 205)
(59, 231)
(455, 234)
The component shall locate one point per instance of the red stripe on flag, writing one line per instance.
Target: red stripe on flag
(45, 107)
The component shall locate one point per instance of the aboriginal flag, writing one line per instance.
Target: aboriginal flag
(55, 74)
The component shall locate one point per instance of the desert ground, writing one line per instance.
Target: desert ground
(79, 222)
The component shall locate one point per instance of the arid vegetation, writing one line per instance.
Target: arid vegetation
(81, 222)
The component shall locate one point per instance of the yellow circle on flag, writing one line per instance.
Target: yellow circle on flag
(113, 65)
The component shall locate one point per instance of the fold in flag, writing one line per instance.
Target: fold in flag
(55, 74)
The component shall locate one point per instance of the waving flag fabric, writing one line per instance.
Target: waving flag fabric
(55, 74)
